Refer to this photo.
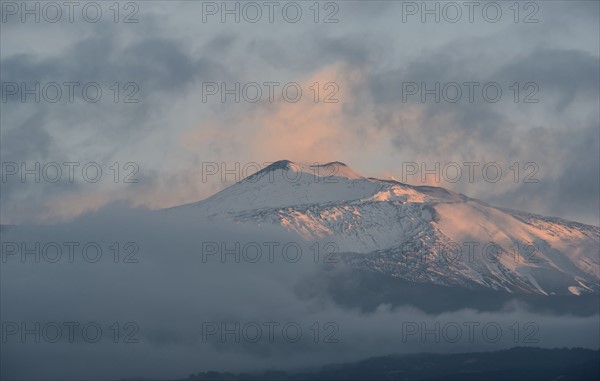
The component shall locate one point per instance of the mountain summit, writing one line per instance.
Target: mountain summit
(417, 233)
(333, 169)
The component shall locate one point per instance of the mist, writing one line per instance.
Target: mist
(174, 295)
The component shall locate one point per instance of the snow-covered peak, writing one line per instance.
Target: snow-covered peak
(285, 184)
(378, 223)
(288, 184)
(289, 170)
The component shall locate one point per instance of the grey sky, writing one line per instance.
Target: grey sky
(369, 53)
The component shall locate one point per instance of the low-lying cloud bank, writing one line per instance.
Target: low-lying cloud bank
(173, 296)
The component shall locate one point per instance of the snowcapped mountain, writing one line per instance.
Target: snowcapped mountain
(418, 233)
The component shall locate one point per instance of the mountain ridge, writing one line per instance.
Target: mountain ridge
(407, 231)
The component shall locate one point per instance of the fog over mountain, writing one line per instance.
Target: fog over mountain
(291, 190)
(250, 258)
(419, 233)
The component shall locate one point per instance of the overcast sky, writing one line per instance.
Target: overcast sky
(362, 54)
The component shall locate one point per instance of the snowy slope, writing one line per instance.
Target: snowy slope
(418, 233)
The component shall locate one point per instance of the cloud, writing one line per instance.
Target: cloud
(171, 131)
(167, 286)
